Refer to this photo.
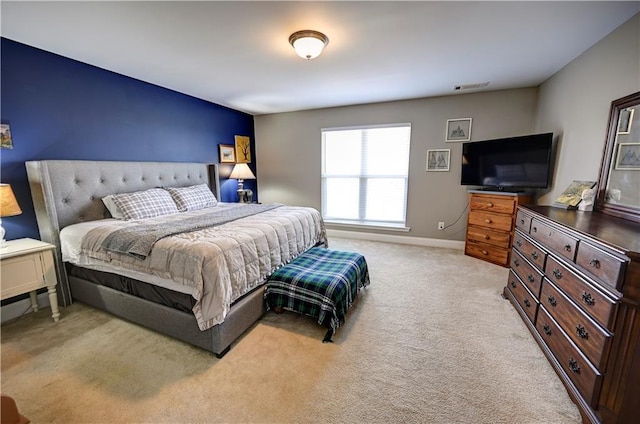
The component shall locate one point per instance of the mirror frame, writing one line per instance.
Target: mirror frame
(627, 212)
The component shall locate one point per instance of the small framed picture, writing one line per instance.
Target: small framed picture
(5, 136)
(628, 157)
(243, 149)
(227, 153)
(458, 130)
(438, 160)
(625, 120)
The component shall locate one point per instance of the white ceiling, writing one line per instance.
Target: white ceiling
(237, 54)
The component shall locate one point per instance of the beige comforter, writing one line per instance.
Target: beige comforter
(222, 263)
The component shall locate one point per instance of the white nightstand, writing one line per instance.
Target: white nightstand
(25, 266)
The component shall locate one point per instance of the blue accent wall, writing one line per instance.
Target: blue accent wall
(59, 108)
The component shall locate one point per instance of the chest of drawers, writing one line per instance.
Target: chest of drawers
(490, 225)
(575, 280)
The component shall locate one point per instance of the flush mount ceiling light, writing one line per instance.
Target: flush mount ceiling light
(307, 43)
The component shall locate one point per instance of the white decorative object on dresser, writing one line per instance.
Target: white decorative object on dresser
(26, 265)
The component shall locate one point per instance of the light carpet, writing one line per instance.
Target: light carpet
(429, 341)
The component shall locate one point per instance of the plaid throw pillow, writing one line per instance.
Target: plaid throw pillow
(192, 198)
(145, 204)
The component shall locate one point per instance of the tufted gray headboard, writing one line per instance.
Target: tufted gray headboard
(66, 192)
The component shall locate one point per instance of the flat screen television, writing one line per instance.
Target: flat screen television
(508, 164)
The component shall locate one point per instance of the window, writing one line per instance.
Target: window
(365, 175)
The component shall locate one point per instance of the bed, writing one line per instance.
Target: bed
(209, 307)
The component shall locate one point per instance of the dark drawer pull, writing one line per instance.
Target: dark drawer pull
(567, 247)
(519, 243)
(531, 278)
(588, 299)
(527, 303)
(516, 262)
(513, 284)
(557, 273)
(580, 331)
(547, 329)
(522, 221)
(573, 366)
(534, 254)
(534, 229)
(552, 300)
(595, 263)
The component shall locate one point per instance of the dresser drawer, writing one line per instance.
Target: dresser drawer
(523, 221)
(582, 373)
(601, 265)
(555, 240)
(491, 220)
(527, 301)
(596, 304)
(592, 340)
(497, 204)
(487, 252)
(529, 250)
(529, 275)
(486, 235)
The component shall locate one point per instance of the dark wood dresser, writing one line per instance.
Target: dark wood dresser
(490, 224)
(575, 280)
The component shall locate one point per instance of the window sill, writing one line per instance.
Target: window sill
(340, 224)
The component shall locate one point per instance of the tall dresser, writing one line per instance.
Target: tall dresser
(490, 224)
(575, 281)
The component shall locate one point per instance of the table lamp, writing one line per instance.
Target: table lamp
(241, 172)
(8, 207)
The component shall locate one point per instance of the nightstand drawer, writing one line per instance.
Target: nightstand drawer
(486, 235)
(491, 220)
(495, 204)
(487, 252)
(21, 274)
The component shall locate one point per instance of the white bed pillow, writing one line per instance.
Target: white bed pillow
(192, 198)
(145, 204)
(111, 206)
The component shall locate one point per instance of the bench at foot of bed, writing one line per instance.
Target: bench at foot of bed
(320, 283)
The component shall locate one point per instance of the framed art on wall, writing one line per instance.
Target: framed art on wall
(458, 130)
(243, 149)
(227, 153)
(438, 160)
(5, 136)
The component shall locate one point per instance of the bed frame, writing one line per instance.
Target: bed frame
(66, 192)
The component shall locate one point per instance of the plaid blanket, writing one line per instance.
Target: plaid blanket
(320, 283)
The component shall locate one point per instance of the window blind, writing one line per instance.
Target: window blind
(365, 174)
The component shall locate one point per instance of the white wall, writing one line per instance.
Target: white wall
(288, 146)
(575, 103)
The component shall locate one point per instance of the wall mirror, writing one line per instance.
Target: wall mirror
(619, 181)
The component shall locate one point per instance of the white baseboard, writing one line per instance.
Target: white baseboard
(417, 241)
(20, 307)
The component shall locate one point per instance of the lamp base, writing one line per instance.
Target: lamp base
(245, 196)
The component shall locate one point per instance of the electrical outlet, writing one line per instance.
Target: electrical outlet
(440, 225)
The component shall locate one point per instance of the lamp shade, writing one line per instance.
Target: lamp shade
(242, 172)
(308, 44)
(8, 203)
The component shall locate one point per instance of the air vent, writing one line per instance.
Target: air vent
(471, 86)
